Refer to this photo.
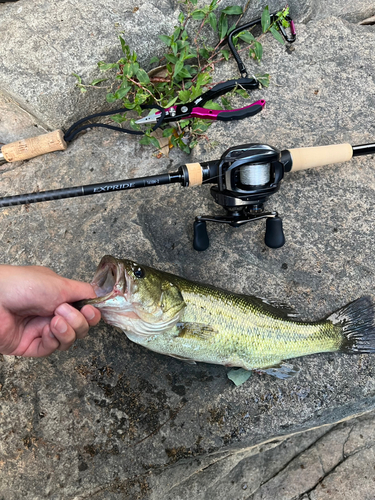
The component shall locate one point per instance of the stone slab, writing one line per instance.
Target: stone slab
(108, 418)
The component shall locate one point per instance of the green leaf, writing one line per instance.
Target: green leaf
(198, 14)
(238, 376)
(203, 79)
(78, 77)
(266, 19)
(212, 21)
(204, 53)
(185, 73)
(110, 97)
(168, 131)
(264, 80)
(246, 36)
(83, 90)
(143, 77)
(171, 102)
(223, 25)
(277, 35)
(124, 47)
(118, 118)
(171, 58)
(233, 10)
(258, 50)
(155, 142)
(184, 96)
(154, 60)
(122, 92)
(225, 53)
(176, 33)
(178, 67)
(184, 123)
(106, 66)
(181, 18)
(195, 92)
(166, 39)
(225, 102)
(145, 141)
(98, 80)
(213, 4)
(231, 29)
(194, 2)
(127, 70)
(242, 93)
(134, 125)
(212, 105)
(200, 126)
(174, 48)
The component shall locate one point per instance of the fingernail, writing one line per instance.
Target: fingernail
(90, 314)
(64, 310)
(61, 326)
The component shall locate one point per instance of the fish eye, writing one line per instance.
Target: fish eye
(139, 272)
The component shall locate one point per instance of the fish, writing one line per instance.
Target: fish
(197, 322)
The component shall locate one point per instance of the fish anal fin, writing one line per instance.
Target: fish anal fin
(200, 330)
(281, 370)
(181, 358)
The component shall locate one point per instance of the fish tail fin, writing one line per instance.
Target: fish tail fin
(357, 321)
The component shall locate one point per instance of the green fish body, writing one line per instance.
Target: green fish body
(196, 322)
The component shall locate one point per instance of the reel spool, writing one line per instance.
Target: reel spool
(247, 176)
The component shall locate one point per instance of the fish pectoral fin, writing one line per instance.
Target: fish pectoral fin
(282, 370)
(196, 330)
(181, 358)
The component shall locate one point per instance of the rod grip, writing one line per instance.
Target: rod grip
(195, 174)
(303, 158)
(34, 146)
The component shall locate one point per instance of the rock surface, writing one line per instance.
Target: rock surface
(110, 420)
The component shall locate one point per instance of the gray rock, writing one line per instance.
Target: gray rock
(110, 420)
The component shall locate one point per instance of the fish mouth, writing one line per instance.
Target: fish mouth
(109, 280)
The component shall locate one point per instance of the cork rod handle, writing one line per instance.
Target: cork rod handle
(34, 146)
(304, 158)
(195, 174)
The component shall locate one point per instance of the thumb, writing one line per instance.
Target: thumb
(78, 290)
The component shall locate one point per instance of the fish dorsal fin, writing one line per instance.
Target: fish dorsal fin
(282, 370)
(200, 330)
(275, 307)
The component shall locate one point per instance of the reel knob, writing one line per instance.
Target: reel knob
(201, 241)
(274, 237)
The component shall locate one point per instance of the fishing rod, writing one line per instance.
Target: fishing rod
(242, 181)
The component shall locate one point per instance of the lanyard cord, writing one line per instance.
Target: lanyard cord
(71, 132)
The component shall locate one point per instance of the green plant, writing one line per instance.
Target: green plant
(186, 68)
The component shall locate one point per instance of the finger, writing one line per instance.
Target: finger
(63, 332)
(92, 314)
(74, 319)
(78, 290)
(48, 343)
(38, 345)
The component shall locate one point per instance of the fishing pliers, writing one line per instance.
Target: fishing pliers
(191, 109)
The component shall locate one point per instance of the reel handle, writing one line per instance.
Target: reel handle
(200, 241)
(274, 237)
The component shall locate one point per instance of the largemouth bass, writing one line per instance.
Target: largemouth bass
(195, 322)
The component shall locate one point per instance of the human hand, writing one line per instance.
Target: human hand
(35, 316)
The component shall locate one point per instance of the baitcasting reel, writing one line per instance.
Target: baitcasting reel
(247, 176)
(243, 180)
